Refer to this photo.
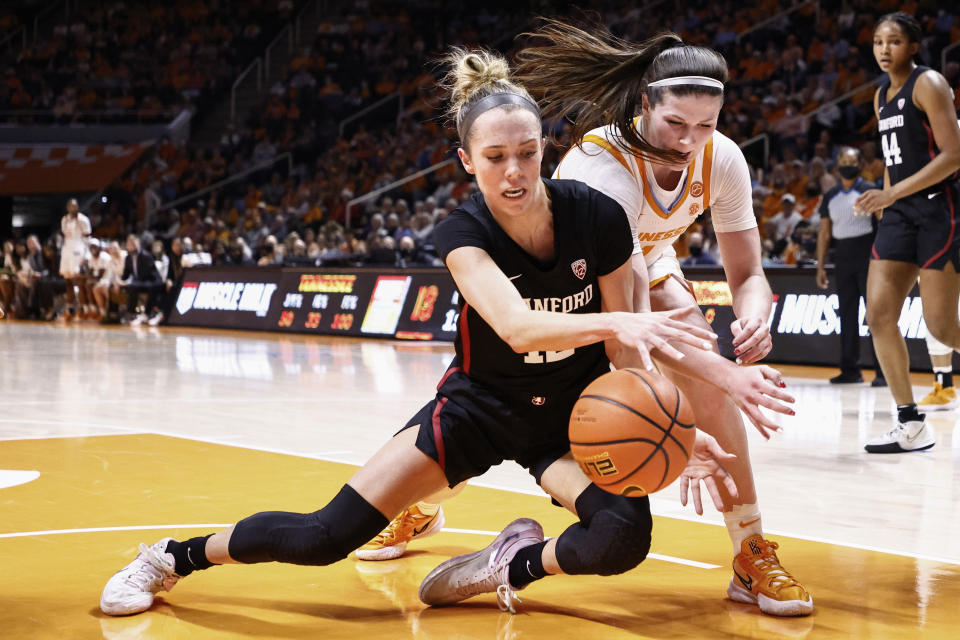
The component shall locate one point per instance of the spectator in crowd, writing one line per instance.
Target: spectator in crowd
(140, 277)
(780, 226)
(9, 265)
(698, 257)
(852, 237)
(268, 254)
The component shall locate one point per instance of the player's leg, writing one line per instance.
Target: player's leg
(768, 584)
(397, 475)
(888, 285)
(611, 537)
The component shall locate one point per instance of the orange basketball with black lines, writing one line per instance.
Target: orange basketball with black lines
(632, 432)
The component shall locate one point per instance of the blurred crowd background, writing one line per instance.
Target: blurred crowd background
(342, 156)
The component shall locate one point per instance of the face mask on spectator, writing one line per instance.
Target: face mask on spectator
(849, 172)
(812, 192)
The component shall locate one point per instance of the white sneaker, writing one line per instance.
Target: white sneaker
(484, 571)
(131, 589)
(915, 435)
(156, 319)
(139, 320)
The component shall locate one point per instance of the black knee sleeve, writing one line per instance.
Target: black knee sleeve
(613, 535)
(319, 538)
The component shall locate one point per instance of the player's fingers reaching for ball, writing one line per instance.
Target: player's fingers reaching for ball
(697, 502)
(773, 376)
(763, 424)
(666, 349)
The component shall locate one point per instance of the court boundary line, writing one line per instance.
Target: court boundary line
(149, 527)
(129, 431)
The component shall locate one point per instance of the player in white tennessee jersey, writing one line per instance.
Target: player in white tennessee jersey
(665, 167)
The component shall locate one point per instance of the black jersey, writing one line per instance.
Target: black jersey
(591, 238)
(905, 134)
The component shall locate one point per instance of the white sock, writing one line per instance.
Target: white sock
(742, 522)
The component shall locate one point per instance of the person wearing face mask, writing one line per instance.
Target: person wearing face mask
(852, 237)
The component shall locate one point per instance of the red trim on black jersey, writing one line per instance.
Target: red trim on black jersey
(953, 228)
(931, 143)
(438, 433)
(465, 337)
(449, 372)
(873, 250)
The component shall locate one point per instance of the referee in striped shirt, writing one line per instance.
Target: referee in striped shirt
(853, 239)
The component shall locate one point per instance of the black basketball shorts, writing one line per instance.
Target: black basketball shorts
(922, 229)
(468, 428)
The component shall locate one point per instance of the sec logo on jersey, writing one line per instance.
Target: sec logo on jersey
(696, 189)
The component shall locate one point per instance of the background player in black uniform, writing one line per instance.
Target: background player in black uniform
(535, 263)
(918, 232)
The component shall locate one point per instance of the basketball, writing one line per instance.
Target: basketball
(632, 432)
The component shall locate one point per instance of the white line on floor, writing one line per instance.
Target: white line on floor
(331, 458)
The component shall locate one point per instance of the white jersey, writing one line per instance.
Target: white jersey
(718, 179)
(75, 230)
(74, 249)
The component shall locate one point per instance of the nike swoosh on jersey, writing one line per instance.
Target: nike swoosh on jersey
(933, 195)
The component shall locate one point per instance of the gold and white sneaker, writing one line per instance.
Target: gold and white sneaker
(760, 579)
(409, 525)
(940, 399)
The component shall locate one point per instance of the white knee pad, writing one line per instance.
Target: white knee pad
(937, 348)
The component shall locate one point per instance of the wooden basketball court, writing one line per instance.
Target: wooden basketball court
(114, 436)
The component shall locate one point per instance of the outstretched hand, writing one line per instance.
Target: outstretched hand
(758, 386)
(705, 465)
(660, 331)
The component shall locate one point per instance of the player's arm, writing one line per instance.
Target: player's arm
(749, 387)
(751, 293)
(931, 94)
(641, 283)
(740, 250)
(488, 290)
(823, 243)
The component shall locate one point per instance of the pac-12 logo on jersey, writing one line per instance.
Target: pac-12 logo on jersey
(579, 268)
(696, 189)
(901, 102)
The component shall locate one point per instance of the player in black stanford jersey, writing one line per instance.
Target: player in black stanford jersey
(918, 231)
(536, 262)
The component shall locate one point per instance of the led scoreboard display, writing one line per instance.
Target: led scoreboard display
(422, 304)
(410, 304)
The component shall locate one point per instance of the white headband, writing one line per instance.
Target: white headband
(701, 80)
